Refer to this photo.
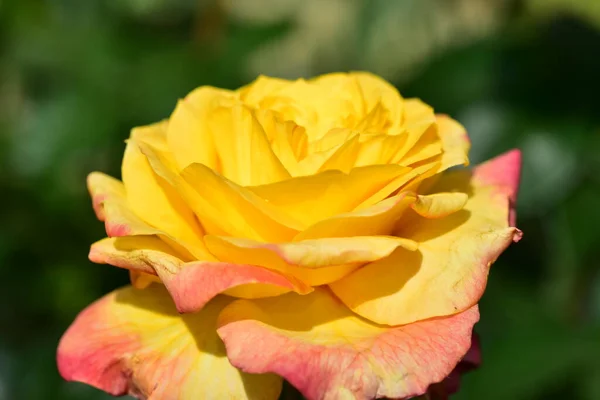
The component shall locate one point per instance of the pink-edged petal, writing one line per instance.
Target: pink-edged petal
(111, 207)
(134, 342)
(503, 173)
(451, 385)
(327, 352)
(199, 282)
(190, 284)
(448, 273)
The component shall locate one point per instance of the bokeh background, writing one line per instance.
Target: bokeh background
(75, 76)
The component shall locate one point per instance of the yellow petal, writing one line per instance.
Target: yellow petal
(313, 198)
(449, 271)
(141, 280)
(317, 253)
(245, 154)
(410, 180)
(375, 90)
(152, 198)
(455, 142)
(110, 205)
(188, 136)
(134, 342)
(288, 140)
(439, 205)
(145, 254)
(236, 210)
(327, 352)
(375, 220)
(417, 120)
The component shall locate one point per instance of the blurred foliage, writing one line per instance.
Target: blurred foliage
(75, 76)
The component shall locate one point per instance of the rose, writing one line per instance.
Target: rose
(307, 230)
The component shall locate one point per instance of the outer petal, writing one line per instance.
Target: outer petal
(315, 262)
(327, 352)
(191, 284)
(197, 283)
(449, 272)
(134, 342)
(146, 254)
(110, 205)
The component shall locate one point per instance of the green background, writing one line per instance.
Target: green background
(76, 75)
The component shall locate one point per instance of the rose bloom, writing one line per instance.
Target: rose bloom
(303, 230)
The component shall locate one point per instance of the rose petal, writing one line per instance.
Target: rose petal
(110, 205)
(191, 284)
(199, 282)
(455, 142)
(378, 219)
(315, 262)
(242, 145)
(147, 254)
(134, 342)
(449, 272)
(152, 198)
(326, 351)
(188, 136)
(239, 211)
(310, 199)
(439, 205)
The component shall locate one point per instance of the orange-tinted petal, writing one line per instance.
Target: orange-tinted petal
(449, 272)
(327, 352)
(134, 342)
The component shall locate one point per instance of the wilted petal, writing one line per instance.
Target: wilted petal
(449, 272)
(134, 342)
(326, 351)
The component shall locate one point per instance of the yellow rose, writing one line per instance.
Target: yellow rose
(308, 231)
